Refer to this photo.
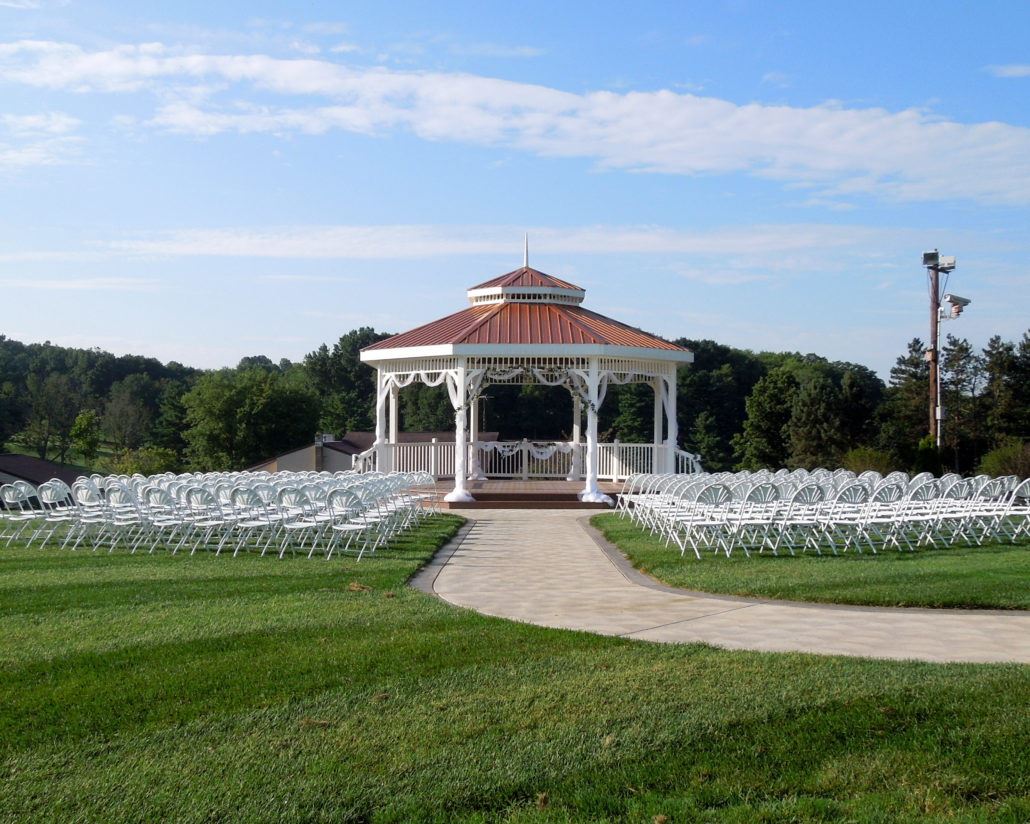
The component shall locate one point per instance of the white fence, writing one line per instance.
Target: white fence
(525, 459)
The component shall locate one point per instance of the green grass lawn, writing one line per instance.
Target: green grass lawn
(145, 688)
(996, 577)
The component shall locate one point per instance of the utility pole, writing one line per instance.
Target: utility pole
(933, 353)
(936, 263)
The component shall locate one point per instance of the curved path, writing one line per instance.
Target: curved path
(549, 567)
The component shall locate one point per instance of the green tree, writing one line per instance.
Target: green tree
(54, 403)
(814, 431)
(719, 382)
(904, 414)
(345, 385)
(1019, 424)
(998, 399)
(764, 440)
(169, 428)
(126, 416)
(962, 377)
(238, 418)
(706, 441)
(634, 422)
(12, 412)
(85, 435)
(425, 409)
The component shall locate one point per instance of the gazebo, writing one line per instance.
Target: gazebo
(527, 327)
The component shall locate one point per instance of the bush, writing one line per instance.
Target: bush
(928, 457)
(1011, 458)
(865, 458)
(147, 460)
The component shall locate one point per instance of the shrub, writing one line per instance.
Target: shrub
(1011, 458)
(147, 460)
(865, 458)
(928, 457)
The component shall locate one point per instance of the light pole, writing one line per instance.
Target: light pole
(936, 264)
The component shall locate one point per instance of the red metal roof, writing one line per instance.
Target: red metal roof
(525, 323)
(527, 277)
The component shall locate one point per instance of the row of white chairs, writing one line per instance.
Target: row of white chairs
(316, 512)
(823, 510)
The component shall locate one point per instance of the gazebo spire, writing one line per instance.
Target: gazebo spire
(525, 256)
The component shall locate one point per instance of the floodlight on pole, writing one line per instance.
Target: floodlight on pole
(935, 264)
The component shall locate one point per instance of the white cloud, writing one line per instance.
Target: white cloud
(31, 4)
(102, 284)
(47, 123)
(1011, 70)
(773, 247)
(325, 27)
(29, 140)
(497, 50)
(344, 48)
(304, 47)
(839, 152)
(780, 80)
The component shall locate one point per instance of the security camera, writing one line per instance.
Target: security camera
(955, 300)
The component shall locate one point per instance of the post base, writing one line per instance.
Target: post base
(595, 497)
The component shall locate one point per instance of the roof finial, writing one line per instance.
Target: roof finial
(525, 257)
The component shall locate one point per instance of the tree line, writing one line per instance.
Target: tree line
(736, 408)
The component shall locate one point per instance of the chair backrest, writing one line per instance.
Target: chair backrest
(714, 495)
(343, 502)
(927, 490)
(889, 493)
(291, 497)
(808, 494)
(763, 493)
(854, 493)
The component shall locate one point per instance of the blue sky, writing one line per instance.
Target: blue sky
(199, 181)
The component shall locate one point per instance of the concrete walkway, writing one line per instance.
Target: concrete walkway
(550, 568)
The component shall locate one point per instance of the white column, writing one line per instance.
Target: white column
(657, 463)
(459, 392)
(380, 419)
(475, 470)
(394, 426)
(577, 434)
(672, 438)
(590, 492)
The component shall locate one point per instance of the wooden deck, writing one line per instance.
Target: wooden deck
(530, 495)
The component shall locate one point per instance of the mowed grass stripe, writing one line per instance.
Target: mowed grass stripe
(264, 700)
(988, 577)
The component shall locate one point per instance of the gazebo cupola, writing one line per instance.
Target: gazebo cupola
(526, 285)
(527, 327)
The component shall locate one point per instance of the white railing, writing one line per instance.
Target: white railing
(525, 459)
(687, 463)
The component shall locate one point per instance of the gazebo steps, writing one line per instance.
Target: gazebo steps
(540, 494)
(515, 502)
(515, 495)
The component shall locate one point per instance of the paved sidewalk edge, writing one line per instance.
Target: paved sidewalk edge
(424, 580)
(634, 575)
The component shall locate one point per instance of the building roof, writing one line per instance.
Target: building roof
(525, 313)
(37, 471)
(527, 277)
(525, 323)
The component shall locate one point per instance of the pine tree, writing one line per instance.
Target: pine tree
(706, 441)
(763, 442)
(998, 399)
(814, 431)
(962, 376)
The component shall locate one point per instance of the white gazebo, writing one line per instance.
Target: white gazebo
(527, 327)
